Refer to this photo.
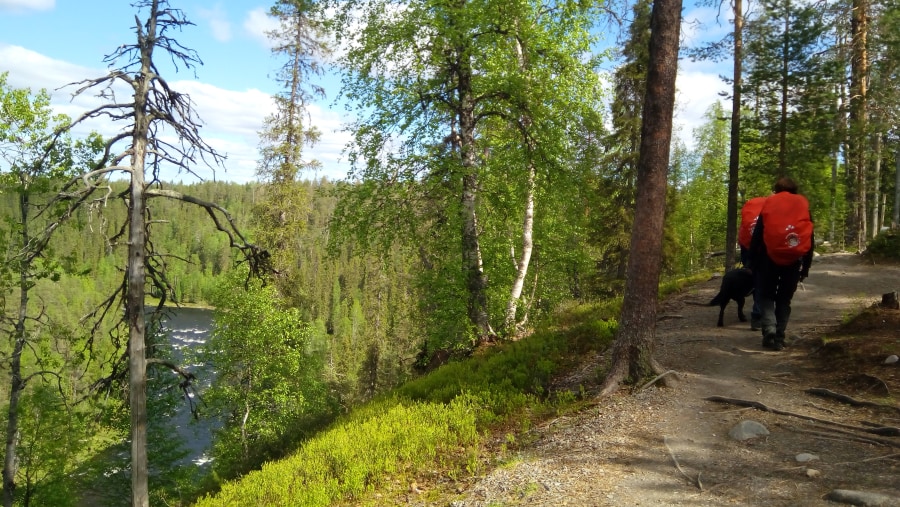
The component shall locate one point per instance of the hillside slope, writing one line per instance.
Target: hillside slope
(671, 446)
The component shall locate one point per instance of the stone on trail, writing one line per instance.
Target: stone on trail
(803, 457)
(747, 429)
(891, 359)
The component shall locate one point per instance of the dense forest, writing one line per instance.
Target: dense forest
(494, 174)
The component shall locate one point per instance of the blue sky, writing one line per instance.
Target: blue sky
(51, 43)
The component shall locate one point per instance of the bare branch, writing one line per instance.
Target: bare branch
(257, 257)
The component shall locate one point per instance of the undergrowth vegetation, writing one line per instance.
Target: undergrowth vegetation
(886, 245)
(434, 422)
(439, 422)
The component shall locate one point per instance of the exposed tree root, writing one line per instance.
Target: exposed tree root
(823, 409)
(888, 431)
(876, 458)
(844, 436)
(656, 378)
(826, 393)
(620, 370)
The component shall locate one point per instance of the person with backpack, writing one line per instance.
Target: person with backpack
(749, 215)
(780, 254)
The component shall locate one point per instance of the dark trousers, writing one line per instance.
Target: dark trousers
(775, 287)
(755, 313)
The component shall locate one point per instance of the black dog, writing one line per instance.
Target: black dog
(737, 284)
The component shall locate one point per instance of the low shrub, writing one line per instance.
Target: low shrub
(886, 245)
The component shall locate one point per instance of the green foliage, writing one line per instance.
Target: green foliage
(52, 435)
(46, 367)
(432, 422)
(698, 220)
(791, 91)
(510, 373)
(456, 100)
(268, 391)
(886, 245)
(358, 455)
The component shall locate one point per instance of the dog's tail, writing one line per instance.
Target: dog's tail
(716, 301)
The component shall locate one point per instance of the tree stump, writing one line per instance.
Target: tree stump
(890, 300)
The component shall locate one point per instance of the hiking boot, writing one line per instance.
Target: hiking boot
(769, 340)
(755, 323)
(779, 341)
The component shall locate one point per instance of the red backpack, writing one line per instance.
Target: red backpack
(749, 216)
(787, 226)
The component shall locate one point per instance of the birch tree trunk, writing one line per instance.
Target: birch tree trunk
(525, 257)
(11, 460)
(509, 323)
(876, 189)
(476, 281)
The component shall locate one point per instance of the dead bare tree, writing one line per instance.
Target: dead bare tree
(140, 151)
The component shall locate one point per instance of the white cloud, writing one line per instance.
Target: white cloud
(231, 119)
(698, 83)
(695, 92)
(218, 23)
(29, 69)
(332, 141)
(257, 23)
(27, 5)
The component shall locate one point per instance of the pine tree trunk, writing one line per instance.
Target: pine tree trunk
(856, 198)
(134, 310)
(734, 155)
(785, 73)
(633, 350)
(895, 218)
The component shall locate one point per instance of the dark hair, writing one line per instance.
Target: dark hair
(785, 184)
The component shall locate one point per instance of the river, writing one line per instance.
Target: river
(188, 328)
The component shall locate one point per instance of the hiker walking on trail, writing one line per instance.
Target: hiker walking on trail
(781, 250)
(749, 215)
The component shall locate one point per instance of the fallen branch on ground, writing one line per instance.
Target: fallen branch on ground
(748, 352)
(728, 411)
(770, 381)
(678, 466)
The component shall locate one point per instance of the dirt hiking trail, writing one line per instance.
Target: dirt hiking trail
(671, 446)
